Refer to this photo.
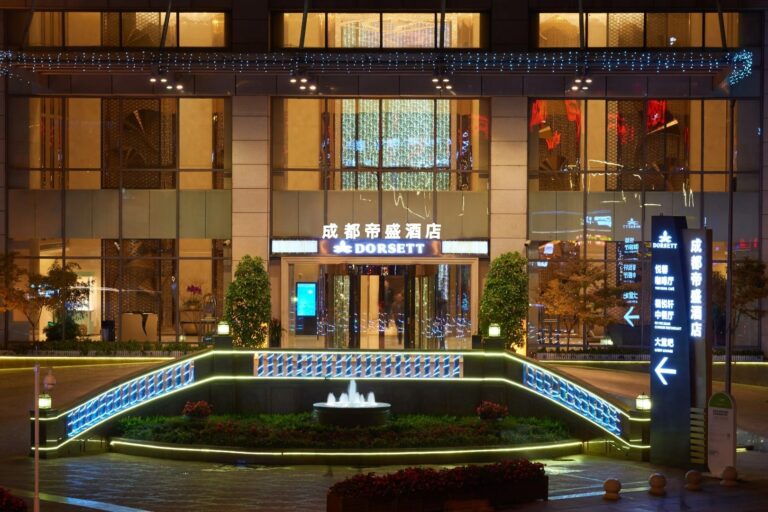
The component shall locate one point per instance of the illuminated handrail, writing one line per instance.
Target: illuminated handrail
(132, 393)
(334, 365)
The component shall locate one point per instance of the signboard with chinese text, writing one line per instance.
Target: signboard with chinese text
(374, 231)
(680, 270)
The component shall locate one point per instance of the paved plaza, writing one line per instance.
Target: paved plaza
(121, 483)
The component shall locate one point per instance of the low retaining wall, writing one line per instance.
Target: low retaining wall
(401, 456)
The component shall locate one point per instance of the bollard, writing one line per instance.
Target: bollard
(658, 483)
(693, 480)
(612, 487)
(729, 477)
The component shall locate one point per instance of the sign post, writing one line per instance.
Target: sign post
(680, 357)
(721, 434)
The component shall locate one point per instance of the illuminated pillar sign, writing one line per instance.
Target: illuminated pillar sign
(680, 269)
(697, 252)
(670, 354)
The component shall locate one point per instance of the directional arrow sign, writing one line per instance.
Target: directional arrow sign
(628, 316)
(660, 370)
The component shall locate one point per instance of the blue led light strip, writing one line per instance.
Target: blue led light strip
(329, 365)
(127, 395)
(573, 397)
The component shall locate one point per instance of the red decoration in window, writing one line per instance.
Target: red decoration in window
(624, 131)
(656, 113)
(553, 141)
(573, 112)
(538, 114)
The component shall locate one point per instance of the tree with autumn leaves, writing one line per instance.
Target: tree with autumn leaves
(580, 292)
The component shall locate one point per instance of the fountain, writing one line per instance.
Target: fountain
(352, 409)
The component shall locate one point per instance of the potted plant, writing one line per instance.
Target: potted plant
(191, 309)
(248, 306)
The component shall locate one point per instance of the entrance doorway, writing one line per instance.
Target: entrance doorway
(381, 306)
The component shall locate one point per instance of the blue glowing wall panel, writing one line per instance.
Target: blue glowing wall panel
(573, 397)
(129, 394)
(330, 365)
(306, 299)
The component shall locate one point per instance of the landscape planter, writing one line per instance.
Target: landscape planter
(512, 494)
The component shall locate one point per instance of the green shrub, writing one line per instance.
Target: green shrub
(505, 297)
(248, 306)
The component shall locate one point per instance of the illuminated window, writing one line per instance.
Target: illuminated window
(201, 29)
(379, 30)
(558, 30)
(359, 30)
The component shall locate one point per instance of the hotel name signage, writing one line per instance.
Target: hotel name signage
(368, 239)
(680, 268)
(380, 247)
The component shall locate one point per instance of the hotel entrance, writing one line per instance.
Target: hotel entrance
(380, 305)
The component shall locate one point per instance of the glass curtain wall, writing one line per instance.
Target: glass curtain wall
(599, 170)
(379, 30)
(135, 193)
(381, 161)
(651, 30)
(126, 29)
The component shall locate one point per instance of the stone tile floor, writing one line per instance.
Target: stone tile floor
(122, 483)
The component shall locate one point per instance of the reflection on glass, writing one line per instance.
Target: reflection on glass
(408, 30)
(353, 30)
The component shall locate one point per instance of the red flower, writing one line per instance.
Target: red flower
(199, 409)
(492, 411)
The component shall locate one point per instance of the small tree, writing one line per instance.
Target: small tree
(750, 286)
(505, 297)
(248, 307)
(580, 291)
(64, 293)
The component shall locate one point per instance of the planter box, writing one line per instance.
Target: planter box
(513, 494)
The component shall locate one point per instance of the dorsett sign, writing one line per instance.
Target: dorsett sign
(355, 239)
(380, 247)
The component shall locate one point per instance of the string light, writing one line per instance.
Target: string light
(739, 62)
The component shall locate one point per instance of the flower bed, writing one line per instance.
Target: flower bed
(300, 431)
(10, 503)
(498, 485)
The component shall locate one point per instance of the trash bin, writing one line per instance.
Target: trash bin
(108, 330)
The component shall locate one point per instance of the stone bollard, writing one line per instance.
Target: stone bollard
(612, 487)
(693, 480)
(658, 483)
(729, 477)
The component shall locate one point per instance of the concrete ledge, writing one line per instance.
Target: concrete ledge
(233, 455)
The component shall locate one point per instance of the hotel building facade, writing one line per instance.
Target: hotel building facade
(375, 162)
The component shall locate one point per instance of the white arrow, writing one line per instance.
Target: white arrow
(628, 316)
(660, 370)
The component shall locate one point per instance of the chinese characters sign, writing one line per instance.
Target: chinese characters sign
(355, 239)
(394, 231)
(680, 267)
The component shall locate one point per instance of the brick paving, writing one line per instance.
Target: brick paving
(121, 483)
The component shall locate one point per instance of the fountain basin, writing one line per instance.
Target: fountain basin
(371, 415)
(352, 409)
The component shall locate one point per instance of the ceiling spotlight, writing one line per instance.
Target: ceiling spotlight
(163, 80)
(588, 80)
(449, 87)
(293, 80)
(446, 79)
(152, 79)
(574, 87)
(302, 87)
(584, 87)
(577, 80)
(303, 79)
(179, 87)
(435, 79)
(169, 87)
(312, 87)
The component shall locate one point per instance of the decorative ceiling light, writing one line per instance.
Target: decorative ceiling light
(441, 80)
(580, 83)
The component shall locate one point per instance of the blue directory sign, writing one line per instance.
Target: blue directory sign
(306, 308)
(306, 299)
(680, 270)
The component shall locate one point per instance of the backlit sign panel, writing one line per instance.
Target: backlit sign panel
(681, 265)
(670, 351)
(380, 247)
